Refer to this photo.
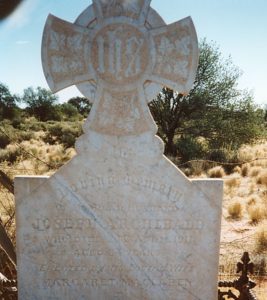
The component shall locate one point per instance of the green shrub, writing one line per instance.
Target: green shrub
(9, 135)
(24, 136)
(63, 133)
(16, 122)
(4, 140)
(228, 157)
(35, 126)
(10, 155)
(218, 155)
(69, 112)
(189, 148)
(38, 126)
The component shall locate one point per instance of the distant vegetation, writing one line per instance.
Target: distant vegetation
(44, 128)
(215, 118)
(41, 104)
(211, 123)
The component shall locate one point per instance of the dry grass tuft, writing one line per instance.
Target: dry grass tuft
(187, 172)
(235, 210)
(252, 188)
(255, 154)
(264, 197)
(216, 172)
(256, 213)
(245, 170)
(261, 239)
(262, 177)
(252, 200)
(245, 153)
(233, 182)
(255, 171)
(198, 168)
(237, 169)
(264, 205)
(260, 163)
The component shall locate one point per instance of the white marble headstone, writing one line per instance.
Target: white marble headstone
(119, 221)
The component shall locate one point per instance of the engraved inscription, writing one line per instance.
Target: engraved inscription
(60, 223)
(143, 182)
(121, 52)
(118, 223)
(93, 269)
(178, 284)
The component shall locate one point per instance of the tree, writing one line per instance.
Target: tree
(214, 110)
(8, 103)
(69, 112)
(82, 104)
(41, 103)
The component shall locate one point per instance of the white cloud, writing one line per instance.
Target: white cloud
(22, 14)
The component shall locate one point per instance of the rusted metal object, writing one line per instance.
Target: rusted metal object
(243, 284)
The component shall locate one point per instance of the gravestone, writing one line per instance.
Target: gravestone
(119, 221)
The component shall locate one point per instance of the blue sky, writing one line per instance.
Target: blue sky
(238, 26)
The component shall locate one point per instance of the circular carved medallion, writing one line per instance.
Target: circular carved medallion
(119, 54)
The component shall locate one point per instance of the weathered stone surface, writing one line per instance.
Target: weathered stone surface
(116, 224)
(119, 221)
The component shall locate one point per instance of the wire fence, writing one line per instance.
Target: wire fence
(52, 166)
(179, 165)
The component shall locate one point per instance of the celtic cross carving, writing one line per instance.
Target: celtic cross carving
(119, 54)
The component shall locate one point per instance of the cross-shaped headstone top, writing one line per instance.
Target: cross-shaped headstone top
(120, 53)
